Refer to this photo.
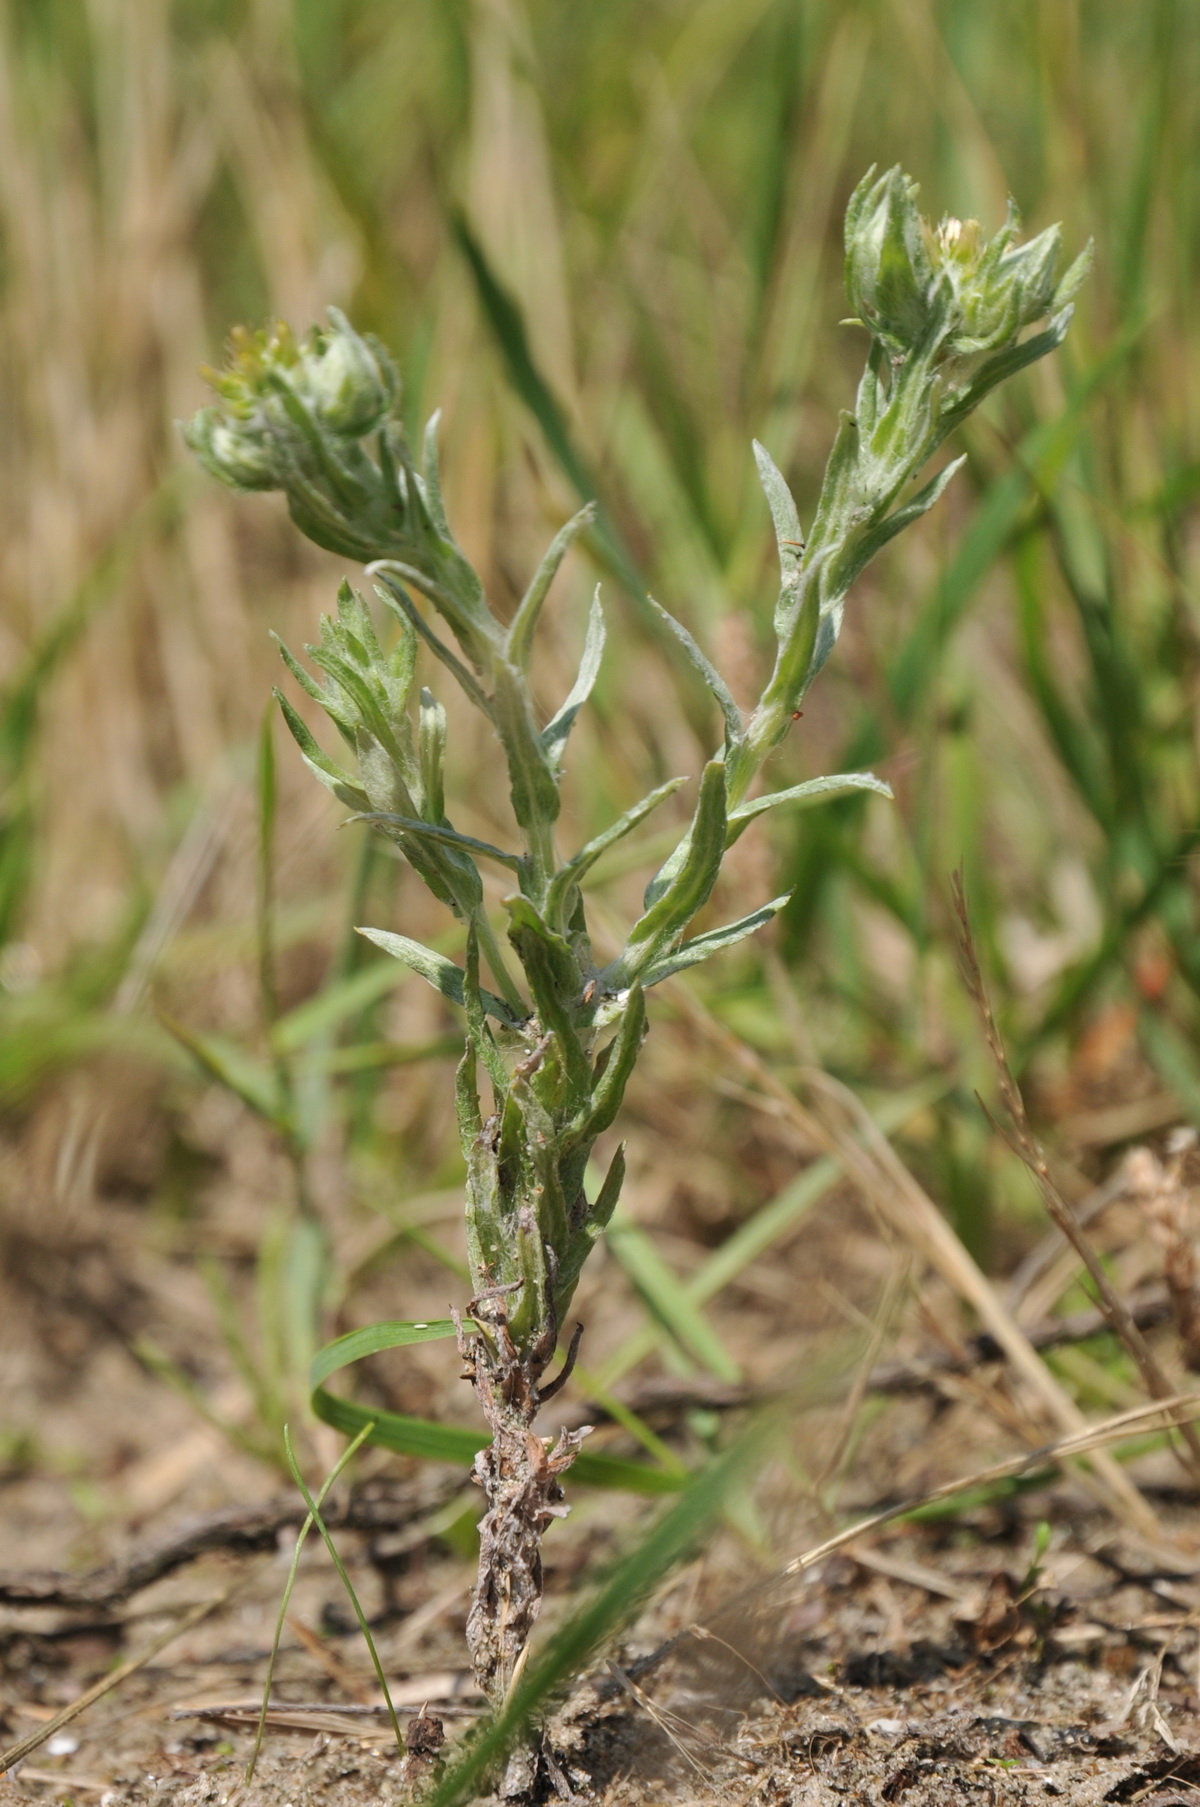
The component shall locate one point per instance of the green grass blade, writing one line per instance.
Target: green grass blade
(668, 1543)
(1175, 1059)
(664, 1296)
(314, 1513)
(760, 1232)
(445, 1442)
(268, 795)
(505, 319)
(254, 1083)
(329, 1009)
(301, 1537)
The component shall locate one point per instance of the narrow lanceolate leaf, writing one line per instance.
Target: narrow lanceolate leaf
(440, 834)
(618, 1059)
(554, 734)
(431, 472)
(788, 536)
(475, 1007)
(586, 1237)
(577, 868)
(319, 763)
(467, 1115)
(896, 522)
(702, 947)
(688, 889)
(532, 775)
(519, 644)
(431, 750)
(397, 599)
(555, 981)
(1005, 364)
(707, 670)
(330, 699)
(441, 973)
(803, 796)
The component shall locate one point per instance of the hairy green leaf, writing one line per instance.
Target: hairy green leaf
(689, 886)
(555, 980)
(518, 646)
(580, 864)
(441, 834)
(702, 947)
(441, 973)
(803, 796)
(789, 537)
(734, 726)
(554, 734)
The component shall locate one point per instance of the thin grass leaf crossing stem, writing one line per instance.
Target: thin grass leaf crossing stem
(549, 1052)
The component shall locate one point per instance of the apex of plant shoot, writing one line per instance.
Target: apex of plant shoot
(947, 289)
(291, 414)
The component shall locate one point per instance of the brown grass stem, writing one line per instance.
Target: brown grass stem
(1025, 1146)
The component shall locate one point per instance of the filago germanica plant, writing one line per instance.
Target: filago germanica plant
(551, 1034)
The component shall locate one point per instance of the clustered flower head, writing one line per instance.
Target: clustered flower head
(909, 282)
(345, 381)
(292, 415)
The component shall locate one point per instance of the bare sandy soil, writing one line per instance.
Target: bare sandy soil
(927, 1664)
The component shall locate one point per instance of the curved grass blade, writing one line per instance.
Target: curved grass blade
(445, 1442)
(314, 1513)
(301, 1537)
(504, 317)
(255, 1084)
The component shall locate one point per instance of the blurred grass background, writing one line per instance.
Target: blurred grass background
(605, 240)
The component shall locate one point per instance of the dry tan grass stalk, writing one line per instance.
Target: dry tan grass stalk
(842, 1445)
(102, 330)
(848, 1131)
(17, 1753)
(1092, 1440)
(895, 1193)
(1156, 1414)
(1166, 1203)
(1024, 1144)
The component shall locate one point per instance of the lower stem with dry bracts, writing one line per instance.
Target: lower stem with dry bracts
(520, 1474)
